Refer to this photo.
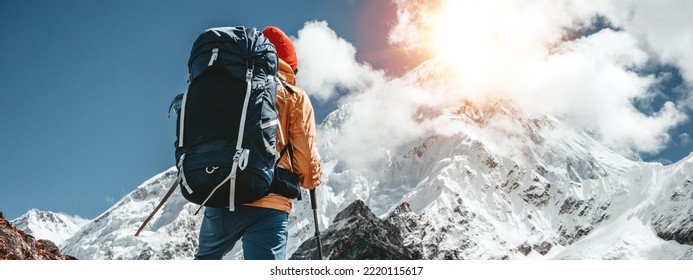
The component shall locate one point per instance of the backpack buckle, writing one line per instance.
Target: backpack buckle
(249, 74)
(241, 157)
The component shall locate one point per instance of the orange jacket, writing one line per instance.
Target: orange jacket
(296, 126)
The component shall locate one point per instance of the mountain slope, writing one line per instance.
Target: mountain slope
(56, 227)
(460, 179)
(495, 182)
(564, 197)
(172, 234)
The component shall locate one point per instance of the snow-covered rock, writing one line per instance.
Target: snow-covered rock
(357, 234)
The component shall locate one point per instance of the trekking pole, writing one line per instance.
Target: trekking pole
(168, 194)
(314, 205)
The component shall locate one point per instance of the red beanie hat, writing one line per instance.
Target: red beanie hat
(283, 44)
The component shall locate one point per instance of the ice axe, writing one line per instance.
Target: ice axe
(168, 194)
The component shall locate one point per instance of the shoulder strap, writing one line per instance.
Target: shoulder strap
(287, 87)
(289, 148)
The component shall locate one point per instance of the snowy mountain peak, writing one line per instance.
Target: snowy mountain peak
(56, 227)
(485, 178)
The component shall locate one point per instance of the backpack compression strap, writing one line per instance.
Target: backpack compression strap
(240, 159)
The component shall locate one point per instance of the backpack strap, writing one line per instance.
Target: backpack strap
(289, 148)
(240, 159)
(287, 87)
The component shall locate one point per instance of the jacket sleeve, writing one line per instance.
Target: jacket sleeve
(302, 135)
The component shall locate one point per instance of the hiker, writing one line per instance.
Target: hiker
(262, 224)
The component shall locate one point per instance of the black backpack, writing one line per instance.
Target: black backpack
(227, 121)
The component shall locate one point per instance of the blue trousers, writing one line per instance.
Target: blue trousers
(262, 231)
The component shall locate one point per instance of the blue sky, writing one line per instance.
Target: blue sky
(85, 87)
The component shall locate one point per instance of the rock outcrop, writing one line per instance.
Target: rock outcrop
(17, 245)
(357, 234)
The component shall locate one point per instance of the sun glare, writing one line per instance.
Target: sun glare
(461, 35)
(482, 37)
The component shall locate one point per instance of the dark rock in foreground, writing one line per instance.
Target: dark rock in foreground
(357, 234)
(17, 245)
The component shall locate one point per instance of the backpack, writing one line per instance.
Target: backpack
(227, 122)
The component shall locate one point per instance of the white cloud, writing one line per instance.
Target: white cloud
(666, 26)
(328, 69)
(381, 119)
(419, 20)
(411, 18)
(590, 81)
(327, 63)
(506, 49)
(518, 49)
(685, 139)
(78, 219)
